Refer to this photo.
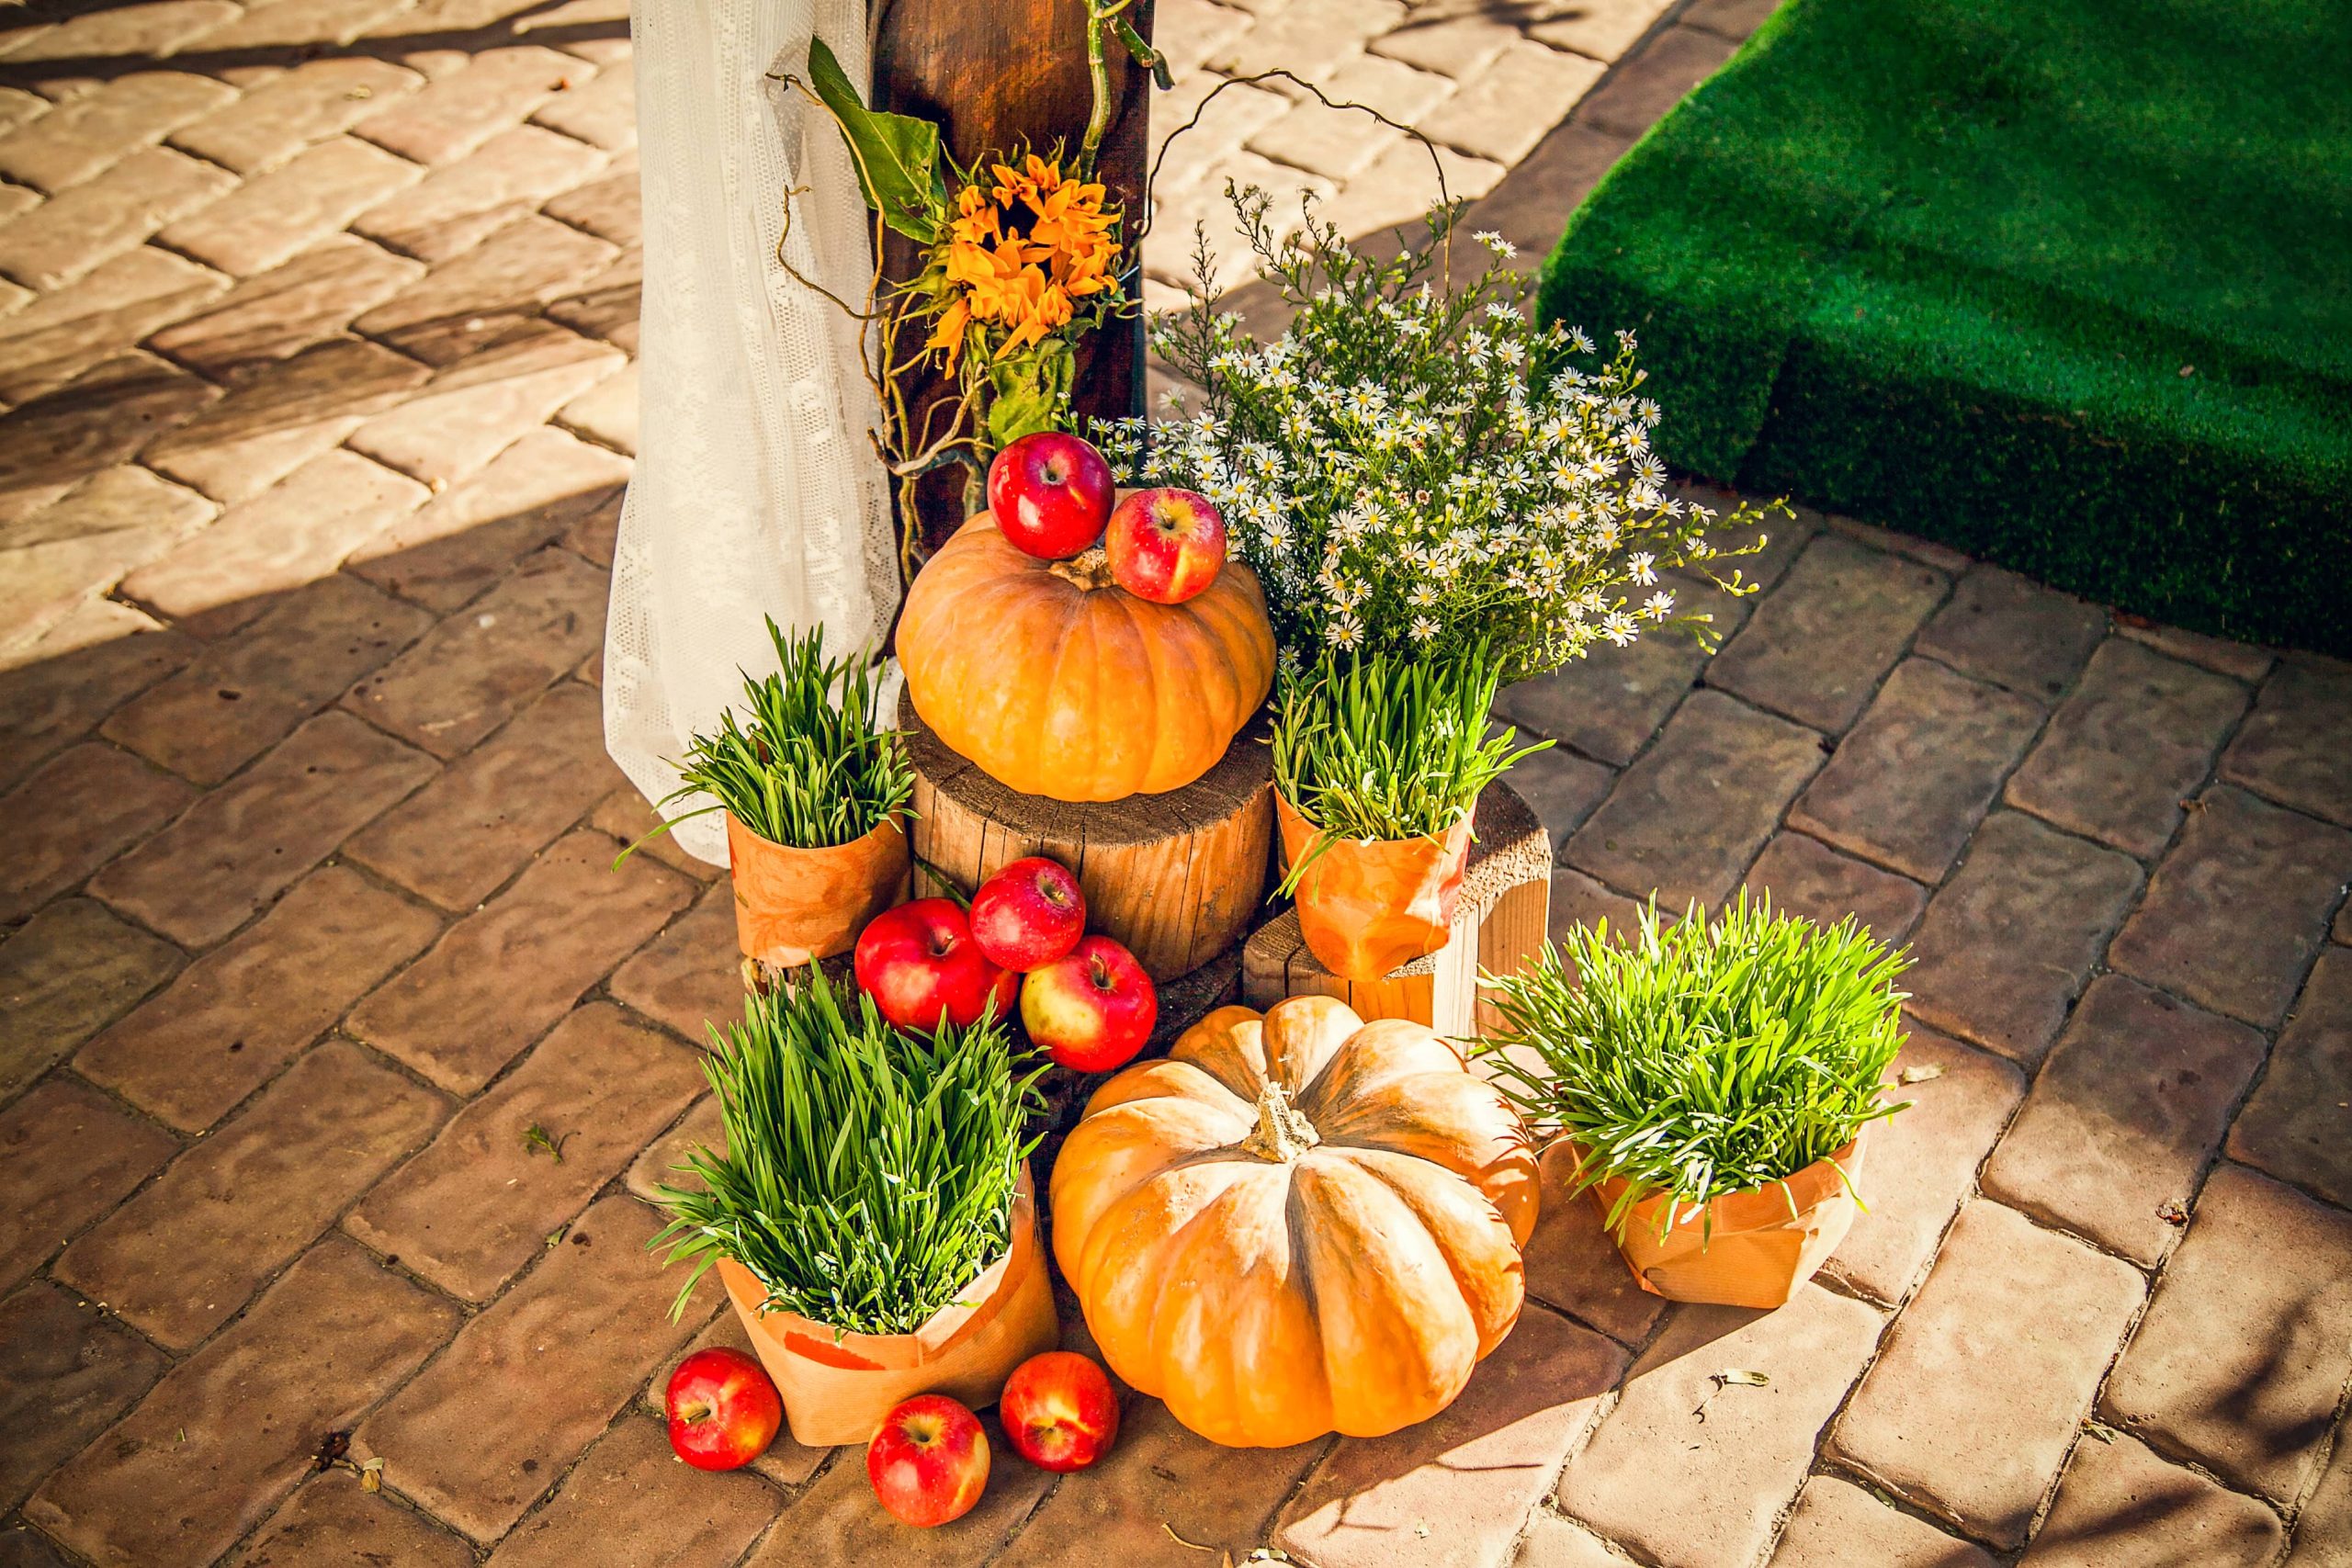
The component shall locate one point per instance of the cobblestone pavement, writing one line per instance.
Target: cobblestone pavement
(316, 359)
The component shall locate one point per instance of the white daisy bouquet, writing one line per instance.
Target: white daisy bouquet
(1414, 469)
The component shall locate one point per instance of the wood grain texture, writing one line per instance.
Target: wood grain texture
(1500, 925)
(1177, 878)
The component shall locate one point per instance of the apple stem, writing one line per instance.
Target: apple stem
(1089, 570)
(1282, 1135)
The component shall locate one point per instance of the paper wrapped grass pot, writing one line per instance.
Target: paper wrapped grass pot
(1749, 1249)
(837, 1387)
(794, 907)
(1368, 905)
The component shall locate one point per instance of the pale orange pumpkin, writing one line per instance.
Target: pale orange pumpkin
(1058, 683)
(1297, 1223)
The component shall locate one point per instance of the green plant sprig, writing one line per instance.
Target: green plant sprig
(809, 770)
(869, 1173)
(1703, 1058)
(1388, 748)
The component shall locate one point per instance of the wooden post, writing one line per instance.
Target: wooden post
(993, 74)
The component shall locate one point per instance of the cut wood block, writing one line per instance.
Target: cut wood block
(1500, 925)
(1176, 877)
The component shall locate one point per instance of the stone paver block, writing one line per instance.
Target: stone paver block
(1729, 1456)
(1921, 1164)
(836, 1520)
(472, 672)
(296, 23)
(2238, 908)
(54, 559)
(69, 1155)
(242, 1011)
(479, 406)
(2239, 660)
(245, 843)
(458, 112)
(116, 800)
(572, 1342)
(1603, 30)
(1607, 703)
(278, 117)
(2120, 1507)
(245, 694)
(1689, 816)
(54, 688)
(1554, 1542)
(2006, 945)
(502, 974)
(626, 817)
(1911, 547)
(1838, 1525)
(2125, 1116)
(291, 535)
(66, 974)
(1457, 1489)
(2137, 735)
(658, 1167)
(229, 1432)
(603, 113)
(1735, 20)
(1579, 900)
(1309, 37)
(2296, 747)
(460, 838)
(475, 298)
(689, 977)
(1815, 649)
(286, 309)
(65, 1374)
(606, 207)
(599, 1086)
(629, 1500)
(1451, 41)
(76, 140)
(606, 412)
(78, 228)
(2324, 1524)
(1574, 1264)
(333, 1520)
(153, 30)
(1396, 190)
(1806, 876)
(1503, 110)
(274, 216)
(284, 414)
(179, 1259)
(1562, 787)
(607, 306)
(48, 446)
(2009, 630)
(2298, 1126)
(1525, 207)
(533, 493)
(1641, 90)
(2244, 1351)
(1908, 785)
(64, 332)
(462, 204)
(1988, 1373)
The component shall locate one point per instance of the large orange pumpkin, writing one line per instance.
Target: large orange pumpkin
(1297, 1223)
(1059, 683)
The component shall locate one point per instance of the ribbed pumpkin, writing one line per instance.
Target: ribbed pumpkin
(1059, 683)
(1296, 1224)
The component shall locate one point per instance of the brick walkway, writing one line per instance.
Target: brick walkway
(316, 366)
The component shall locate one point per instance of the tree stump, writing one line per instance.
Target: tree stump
(1176, 877)
(1502, 922)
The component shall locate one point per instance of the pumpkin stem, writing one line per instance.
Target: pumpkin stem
(1282, 1134)
(1089, 570)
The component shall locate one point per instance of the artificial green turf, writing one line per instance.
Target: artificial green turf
(2066, 283)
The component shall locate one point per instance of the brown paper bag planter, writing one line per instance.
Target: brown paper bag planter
(1749, 1249)
(837, 1387)
(1367, 906)
(794, 907)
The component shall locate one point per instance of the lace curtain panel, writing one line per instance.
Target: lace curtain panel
(756, 491)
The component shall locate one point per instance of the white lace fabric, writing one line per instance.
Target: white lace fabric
(757, 491)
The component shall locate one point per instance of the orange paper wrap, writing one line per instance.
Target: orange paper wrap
(1749, 1249)
(1366, 906)
(794, 907)
(837, 1388)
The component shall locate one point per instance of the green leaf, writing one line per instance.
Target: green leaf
(897, 155)
(1030, 392)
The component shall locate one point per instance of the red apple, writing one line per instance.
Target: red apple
(723, 1410)
(1050, 493)
(1165, 545)
(1058, 1411)
(1028, 914)
(1091, 1010)
(929, 1461)
(920, 964)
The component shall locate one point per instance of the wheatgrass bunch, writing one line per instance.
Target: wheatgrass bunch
(810, 769)
(1705, 1058)
(869, 1173)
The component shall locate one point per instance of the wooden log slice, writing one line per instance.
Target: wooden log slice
(1499, 924)
(1177, 878)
